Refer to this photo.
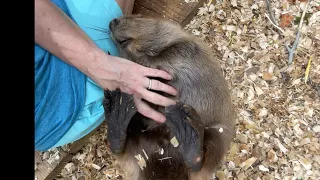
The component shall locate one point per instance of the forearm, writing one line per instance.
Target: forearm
(58, 34)
(126, 6)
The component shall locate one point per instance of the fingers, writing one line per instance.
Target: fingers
(147, 111)
(156, 98)
(159, 86)
(157, 73)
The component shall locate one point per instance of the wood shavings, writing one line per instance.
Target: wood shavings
(298, 130)
(272, 156)
(164, 158)
(221, 14)
(296, 81)
(231, 165)
(220, 175)
(246, 164)
(65, 148)
(229, 28)
(282, 148)
(174, 142)
(196, 32)
(305, 163)
(96, 166)
(262, 168)
(306, 74)
(80, 157)
(190, 1)
(316, 128)
(145, 154)
(46, 155)
(267, 76)
(69, 167)
(265, 135)
(54, 157)
(141, 162)
(209, 3)
(250, 93)
(160, 151)
(305, 141)
(258, 90)
(93, 161)
(234, 3)
(263, 112)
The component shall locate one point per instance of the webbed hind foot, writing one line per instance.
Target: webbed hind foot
(186, 126)
(119, 110)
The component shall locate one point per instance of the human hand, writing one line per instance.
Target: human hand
(111, 72)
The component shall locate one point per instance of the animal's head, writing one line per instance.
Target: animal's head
(136, 36)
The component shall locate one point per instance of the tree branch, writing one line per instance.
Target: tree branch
(296, 42)
(273, 23)
(273, 19)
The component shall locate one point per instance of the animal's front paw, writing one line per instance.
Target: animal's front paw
(119, 110)
(186, 126)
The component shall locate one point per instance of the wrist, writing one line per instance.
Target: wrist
(94, 56)
(101, 66)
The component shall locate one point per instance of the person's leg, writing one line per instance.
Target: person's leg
(126, 6)
(59, 94)
(93, 16)
(55, 128)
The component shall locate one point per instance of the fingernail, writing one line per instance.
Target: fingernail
(163, 119)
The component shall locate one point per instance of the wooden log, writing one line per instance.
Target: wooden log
(46, 171)
(176, 10)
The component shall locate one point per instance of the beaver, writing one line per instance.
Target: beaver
(202, 121)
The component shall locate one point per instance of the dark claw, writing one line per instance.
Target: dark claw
(185, 124)
(186, 109)
(119, 110)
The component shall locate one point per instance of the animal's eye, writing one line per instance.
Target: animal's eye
(123, 41)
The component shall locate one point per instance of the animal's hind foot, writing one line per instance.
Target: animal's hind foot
(119, 110)
(186, 126)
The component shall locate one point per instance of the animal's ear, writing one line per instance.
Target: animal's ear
(157, 49)
(152, 52)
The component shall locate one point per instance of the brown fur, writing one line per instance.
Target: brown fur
(200, 83)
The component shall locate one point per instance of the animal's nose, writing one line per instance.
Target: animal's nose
(113, 23)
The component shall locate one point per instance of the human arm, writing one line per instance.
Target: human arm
(57, 33)
(126, 6)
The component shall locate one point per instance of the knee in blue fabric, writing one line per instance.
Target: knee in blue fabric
(90, 117)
